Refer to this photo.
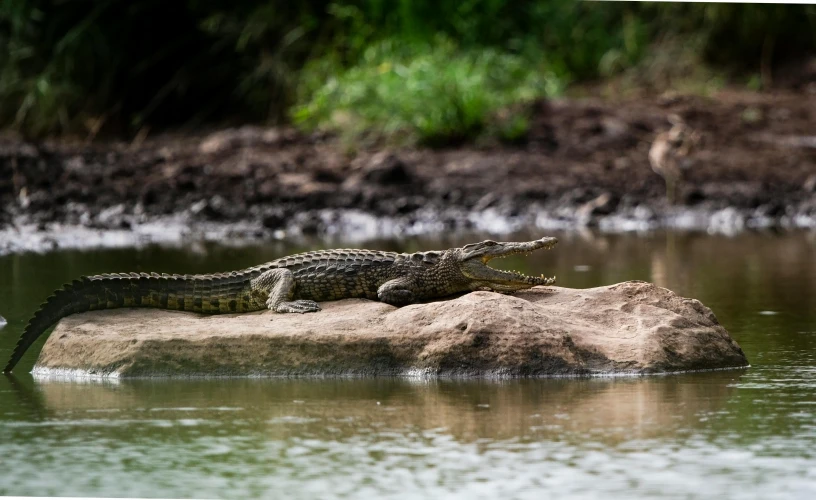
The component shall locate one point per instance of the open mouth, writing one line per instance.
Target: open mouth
(513, 275)
(517, 276)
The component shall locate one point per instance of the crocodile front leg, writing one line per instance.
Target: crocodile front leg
(397, 292)
(279, 287)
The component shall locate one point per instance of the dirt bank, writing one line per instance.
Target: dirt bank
(584, 162)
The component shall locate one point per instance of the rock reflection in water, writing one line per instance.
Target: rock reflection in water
(609, 410)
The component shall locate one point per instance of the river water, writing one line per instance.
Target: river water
(731, 434)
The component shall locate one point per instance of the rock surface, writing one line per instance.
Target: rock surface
(627, 328)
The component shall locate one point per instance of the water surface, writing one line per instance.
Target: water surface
(741, 434)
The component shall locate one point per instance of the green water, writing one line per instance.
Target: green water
(732, 434)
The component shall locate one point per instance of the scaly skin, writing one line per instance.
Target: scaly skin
(294, 284)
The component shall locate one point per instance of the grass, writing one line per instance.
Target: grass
(433, 95)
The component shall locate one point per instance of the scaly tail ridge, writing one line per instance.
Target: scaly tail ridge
(55, 307)
(207, 294)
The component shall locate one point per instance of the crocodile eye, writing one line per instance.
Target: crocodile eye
(490, 243)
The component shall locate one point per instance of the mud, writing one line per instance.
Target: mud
(583, 163)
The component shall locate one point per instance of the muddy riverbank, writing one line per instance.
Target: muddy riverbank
(582, 163)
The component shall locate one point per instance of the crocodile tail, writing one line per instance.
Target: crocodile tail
(208, 294)
(55, 307)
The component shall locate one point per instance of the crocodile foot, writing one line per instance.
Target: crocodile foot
(297, 306)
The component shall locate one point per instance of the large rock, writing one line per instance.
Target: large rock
(628, 328)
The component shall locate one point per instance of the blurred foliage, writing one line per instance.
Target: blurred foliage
(88, 65)
(435, 95)
(77, 64)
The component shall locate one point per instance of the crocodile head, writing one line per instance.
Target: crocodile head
(473, 261)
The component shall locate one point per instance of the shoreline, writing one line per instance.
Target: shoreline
(352, 226)
(584, 163)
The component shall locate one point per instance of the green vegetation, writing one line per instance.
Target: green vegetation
(436, 95)
(420, 70)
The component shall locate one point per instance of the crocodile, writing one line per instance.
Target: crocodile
(294, 284)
